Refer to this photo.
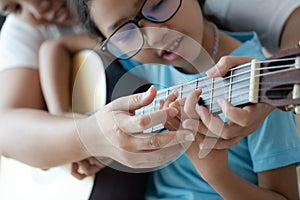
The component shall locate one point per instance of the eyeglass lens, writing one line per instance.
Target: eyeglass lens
(160, 10)
(128, 39)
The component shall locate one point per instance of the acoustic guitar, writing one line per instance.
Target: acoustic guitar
(275, 81)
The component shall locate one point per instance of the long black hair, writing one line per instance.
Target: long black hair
(81, 10)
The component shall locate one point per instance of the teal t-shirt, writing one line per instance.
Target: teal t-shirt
(275, 144)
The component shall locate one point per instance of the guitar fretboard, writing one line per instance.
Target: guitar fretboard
(240, 87)
(234, 87)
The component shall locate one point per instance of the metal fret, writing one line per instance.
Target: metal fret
(167, 92)
(230, 86)
(181, 90)
(211, 93)
(153, 110)
(153, 105)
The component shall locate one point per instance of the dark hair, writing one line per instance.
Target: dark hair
(201, 3)
(81, 10)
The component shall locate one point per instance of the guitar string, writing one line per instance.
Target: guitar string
(219, 95)
(206, 93)
(247, 65)
(203, 79)
(234, 75)
(214, 104)
(238, 67)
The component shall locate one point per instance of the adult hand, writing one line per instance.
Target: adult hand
(117, 133)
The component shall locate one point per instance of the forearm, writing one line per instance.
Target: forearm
(38, 138)
(55, 64)
(231, 186)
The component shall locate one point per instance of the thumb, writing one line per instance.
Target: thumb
(136, 101)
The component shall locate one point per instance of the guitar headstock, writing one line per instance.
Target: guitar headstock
(280, 81)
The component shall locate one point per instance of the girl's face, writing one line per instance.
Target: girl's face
(175, 42)
(38, 11)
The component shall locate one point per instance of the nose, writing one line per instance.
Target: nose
(154, 33)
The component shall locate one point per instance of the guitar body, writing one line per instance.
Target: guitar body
(20, 181)
(89, 82)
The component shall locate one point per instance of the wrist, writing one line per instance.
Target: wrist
(90, 137)
(84, 135)
(219, 176)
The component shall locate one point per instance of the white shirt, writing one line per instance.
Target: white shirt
(20, 42)
(266, 17)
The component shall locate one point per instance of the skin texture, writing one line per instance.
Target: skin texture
(17, 106)
(212, 166)
(49, 140)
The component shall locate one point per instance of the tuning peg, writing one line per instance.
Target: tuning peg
(296, 89)
(292, 108)
(297, 110)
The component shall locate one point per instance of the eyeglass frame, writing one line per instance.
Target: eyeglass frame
(135, 20)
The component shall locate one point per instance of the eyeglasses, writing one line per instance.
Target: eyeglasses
(127, 40)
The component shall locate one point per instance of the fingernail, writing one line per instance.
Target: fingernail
(189, 137)
(212, 71)
(146, 94)
(221, 102)
(203, 153)
(187, 124)
(201, 146)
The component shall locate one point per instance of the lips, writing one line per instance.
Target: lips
(171, 51)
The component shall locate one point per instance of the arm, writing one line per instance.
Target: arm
(35, 137)
(212, 165)
(275, 21)
(55, 69)
(27, 132)
(274, 184)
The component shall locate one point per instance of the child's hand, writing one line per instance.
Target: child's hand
(242, 121)
(86, 167)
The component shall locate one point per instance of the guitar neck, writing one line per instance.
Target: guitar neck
(234, 87)
(268, 81)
